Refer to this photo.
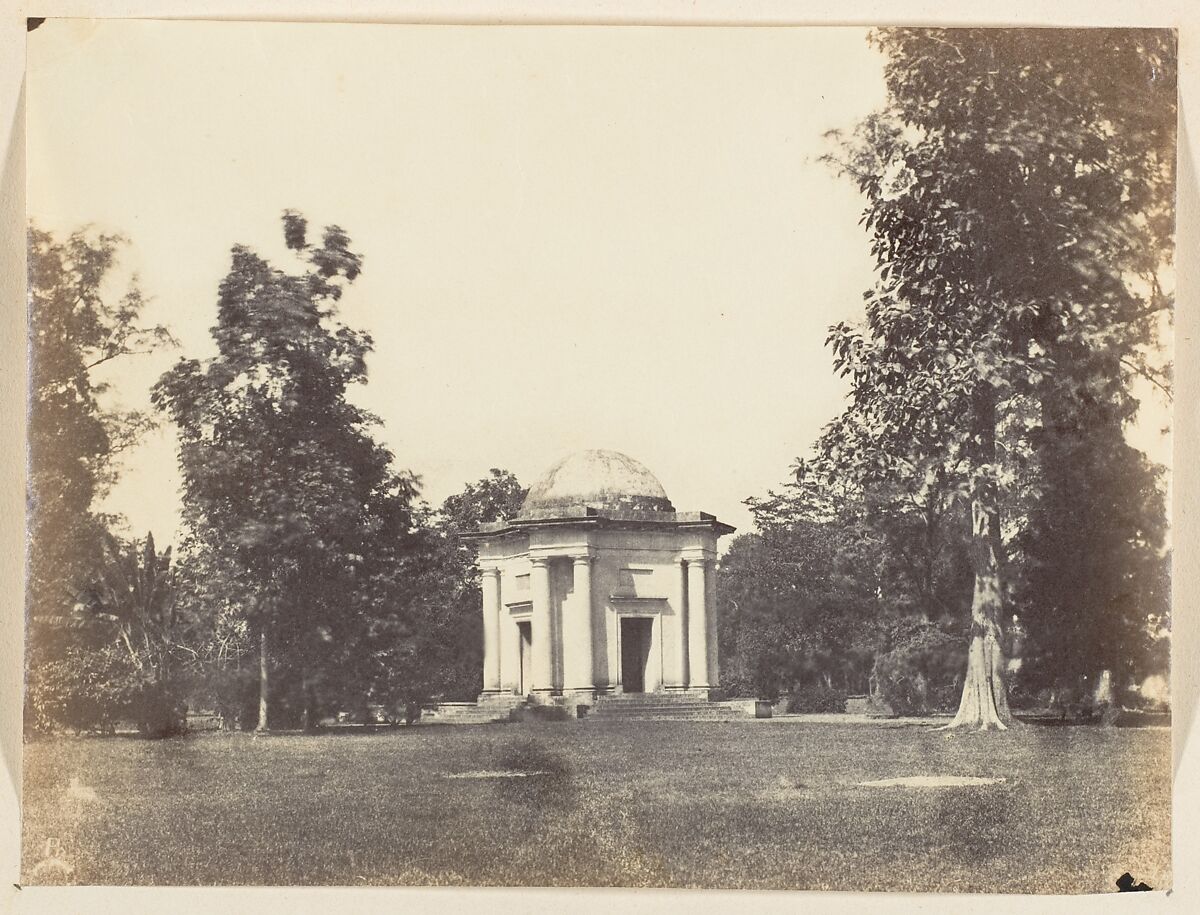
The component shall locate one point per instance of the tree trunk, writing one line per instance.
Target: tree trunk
(308, 719)
(928, 560)
(263, 658)
(984, 704)
(1104, 701)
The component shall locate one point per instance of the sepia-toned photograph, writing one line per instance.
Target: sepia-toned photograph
(599, 456)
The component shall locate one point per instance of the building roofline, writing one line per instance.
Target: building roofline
(587, 516)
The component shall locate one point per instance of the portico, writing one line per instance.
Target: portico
(598, 586)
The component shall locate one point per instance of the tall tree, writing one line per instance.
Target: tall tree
(1019, 189)
(1094, 575)
(284, 487)
(76, 326)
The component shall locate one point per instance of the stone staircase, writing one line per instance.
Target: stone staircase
(488, 708)
(694, 705)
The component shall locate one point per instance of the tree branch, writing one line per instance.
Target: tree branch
(1148, 375)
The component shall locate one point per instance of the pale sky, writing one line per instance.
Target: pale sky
(572, 237)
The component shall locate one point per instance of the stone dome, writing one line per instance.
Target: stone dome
(596, 479)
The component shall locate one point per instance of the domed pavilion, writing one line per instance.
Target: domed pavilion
(598, 586)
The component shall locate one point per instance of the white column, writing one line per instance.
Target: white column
(579, 667)
(713, 614)
(697, 623)
(675, 630)
(541, 630)
(491, 629)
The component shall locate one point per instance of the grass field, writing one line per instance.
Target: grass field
(753, 804)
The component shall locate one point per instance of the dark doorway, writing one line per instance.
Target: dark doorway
(526, 630)
(635, 653)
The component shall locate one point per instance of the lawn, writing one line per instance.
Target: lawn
(752, 804)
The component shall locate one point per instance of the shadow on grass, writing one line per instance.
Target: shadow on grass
(549, 780)
(1124, 720)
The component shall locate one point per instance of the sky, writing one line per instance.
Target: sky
(572, 237)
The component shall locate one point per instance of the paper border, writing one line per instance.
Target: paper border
(1186, 644)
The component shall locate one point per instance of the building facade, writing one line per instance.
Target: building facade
(599, 586)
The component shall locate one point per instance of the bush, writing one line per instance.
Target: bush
(1025, 695)
(738, 684)
(817, 698)
(161, 712)
(922, 672)
(86, 690)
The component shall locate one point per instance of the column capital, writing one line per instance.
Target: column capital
(540, 560)
(582, 558)
(697, 557)
(490, 568)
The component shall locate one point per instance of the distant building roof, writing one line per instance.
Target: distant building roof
(596, 479)
(598, 488)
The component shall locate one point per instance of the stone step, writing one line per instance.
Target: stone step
(488, 708)
(634, 709)
(634, 706)
(465, 719)
(708, 716)
(666, 706)
(651, 700)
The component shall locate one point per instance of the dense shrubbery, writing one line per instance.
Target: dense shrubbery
(97, 689)
(85, 690)
(921, 671)
(817, 698)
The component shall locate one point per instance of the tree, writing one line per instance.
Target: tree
(841, 588)
(222, 664)
(75, 435)
(425, 640)
(452, 631)
(1018, 190)
(496, 497)
(801, 601)
(1095, 575)
(293, 502)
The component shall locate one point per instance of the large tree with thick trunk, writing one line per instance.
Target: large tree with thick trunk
(1019, 188)
(286, 493)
